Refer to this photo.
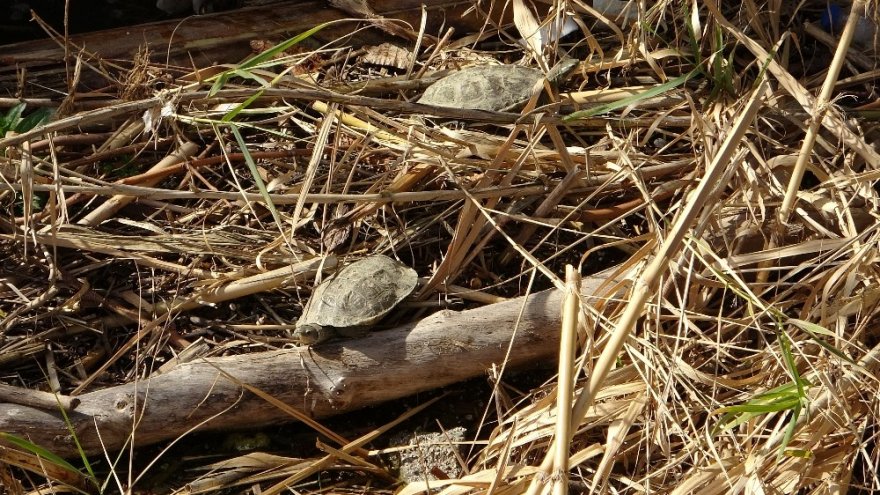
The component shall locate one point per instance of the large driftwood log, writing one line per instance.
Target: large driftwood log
(330, 379)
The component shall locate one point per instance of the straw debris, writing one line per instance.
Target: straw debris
(715, 163)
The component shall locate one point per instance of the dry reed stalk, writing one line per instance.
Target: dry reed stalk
(116, 203)
(565, 383)
(349, 447)
(645, 285)
(488, 192)
(820, 108)
(833, 122)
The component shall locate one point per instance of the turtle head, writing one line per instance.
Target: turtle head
(562, 70)
(311, 334)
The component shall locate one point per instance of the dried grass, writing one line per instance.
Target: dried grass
(734, 352)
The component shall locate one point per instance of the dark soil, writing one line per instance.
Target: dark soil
(16, 23)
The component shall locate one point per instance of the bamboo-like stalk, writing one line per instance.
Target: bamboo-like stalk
(565, 382)
(118, 202)
(646, 284)
(819, 109)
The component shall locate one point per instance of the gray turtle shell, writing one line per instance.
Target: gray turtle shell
(359, 294)
(491, 87)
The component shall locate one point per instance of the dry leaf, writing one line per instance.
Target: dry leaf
(388, 55)
(528, 28)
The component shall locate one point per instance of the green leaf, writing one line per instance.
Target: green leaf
(36, 118)
(815, 332)
(788, 397)
(242, 69)
(801, 453)
(277, 49)
(241, 106)
(39, 451)
(219, 83)
(629, 100)
(9, 121)
(256, 174)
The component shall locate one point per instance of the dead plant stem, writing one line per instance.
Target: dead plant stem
(646, 284)
(570, 311)
(820, 107)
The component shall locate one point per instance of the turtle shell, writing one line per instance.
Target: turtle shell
(359, 294)
(491, 87)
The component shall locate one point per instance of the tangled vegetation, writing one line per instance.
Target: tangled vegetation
(713, 165)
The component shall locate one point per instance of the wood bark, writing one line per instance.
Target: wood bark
(326, 380)
(205, 40)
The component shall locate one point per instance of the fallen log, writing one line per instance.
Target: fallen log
(326, 380)
(205, 40)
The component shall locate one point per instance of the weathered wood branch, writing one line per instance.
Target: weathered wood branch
(216, 38)
(330, 379)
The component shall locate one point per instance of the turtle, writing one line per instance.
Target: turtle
(359, 295)
(496, 88)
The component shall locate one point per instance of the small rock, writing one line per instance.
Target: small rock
(428, 453)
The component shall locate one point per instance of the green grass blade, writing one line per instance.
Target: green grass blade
(82, 452)
(37, 117)
(42, 452)
(815, 332)
(9, 121)
(281, 47)
(241, 106)
(242, 69)
(257, 179)
(629, 100)
(789, 430)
